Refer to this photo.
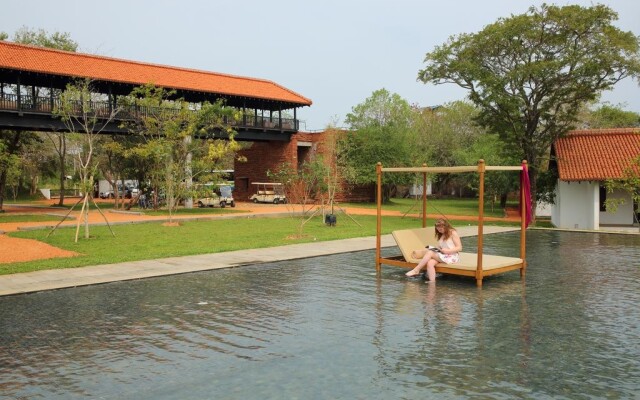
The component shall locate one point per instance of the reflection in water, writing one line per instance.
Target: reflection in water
(328, 327)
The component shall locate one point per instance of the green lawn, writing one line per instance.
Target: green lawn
(437, 206)
(68, 204)
(9, 218)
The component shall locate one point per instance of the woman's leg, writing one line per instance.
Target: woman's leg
(431, 267)
(431, 270)
(421, 264)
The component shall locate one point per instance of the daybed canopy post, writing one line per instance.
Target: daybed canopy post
(481, 169)
(424, 197)
(379, 215)
(523, 226)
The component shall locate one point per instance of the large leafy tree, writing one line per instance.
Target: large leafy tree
(380, 129)
(448, 135)
(530, 74)
(490, 148)
(40, 37)
(439, 133)
(610, 116)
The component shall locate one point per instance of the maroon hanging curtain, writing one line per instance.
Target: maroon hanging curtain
(526, 186)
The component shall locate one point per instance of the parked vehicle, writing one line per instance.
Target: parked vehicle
(126, 189)
(220, 197)
(269, 193)
(123, 192)
(110, 194)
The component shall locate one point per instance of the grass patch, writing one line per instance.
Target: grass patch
(437, 206)
(10, 218)
(68, 204)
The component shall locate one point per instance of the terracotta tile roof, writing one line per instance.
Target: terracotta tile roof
(49, 61)
(596, 154)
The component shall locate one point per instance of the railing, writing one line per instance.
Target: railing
(103, 109)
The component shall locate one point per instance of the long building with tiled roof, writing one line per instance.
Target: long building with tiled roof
(35, 61)
(596, 154)
(31, 78)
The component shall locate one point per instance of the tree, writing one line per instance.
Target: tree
(382, 108)
(40, 37)
(610, 116)
(37, 160)
(170, 127)
(112, 155)
(60, 143)
(530, 74)
(10, 167)
(78, 113)
(332, 173)
(441, 134)
(380, 133)
(497, 184)
(630, 183)
(301, 184)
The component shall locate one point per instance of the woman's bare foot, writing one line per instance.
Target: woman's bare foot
(412, 273)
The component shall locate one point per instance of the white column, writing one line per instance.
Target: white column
(594, 206)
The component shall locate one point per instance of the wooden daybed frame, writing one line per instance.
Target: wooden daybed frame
(476, 265)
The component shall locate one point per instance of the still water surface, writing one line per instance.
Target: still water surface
(327, 328)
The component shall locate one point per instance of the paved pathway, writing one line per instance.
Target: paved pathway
(63, 278)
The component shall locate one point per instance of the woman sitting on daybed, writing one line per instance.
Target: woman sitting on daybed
(447, 251)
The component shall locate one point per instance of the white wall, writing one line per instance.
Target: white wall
(543, 209)
(624, 213)
(577, 205)
(416, 190)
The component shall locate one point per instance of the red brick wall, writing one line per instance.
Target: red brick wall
(261, 157)
(265, 156)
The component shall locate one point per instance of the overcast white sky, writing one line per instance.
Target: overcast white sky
(335, 52)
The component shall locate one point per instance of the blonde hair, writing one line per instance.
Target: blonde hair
(447, 229)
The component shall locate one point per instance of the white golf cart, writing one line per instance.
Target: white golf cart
(269, 193)
(221, 197)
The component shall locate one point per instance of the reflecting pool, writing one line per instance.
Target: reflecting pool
(328, 328)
